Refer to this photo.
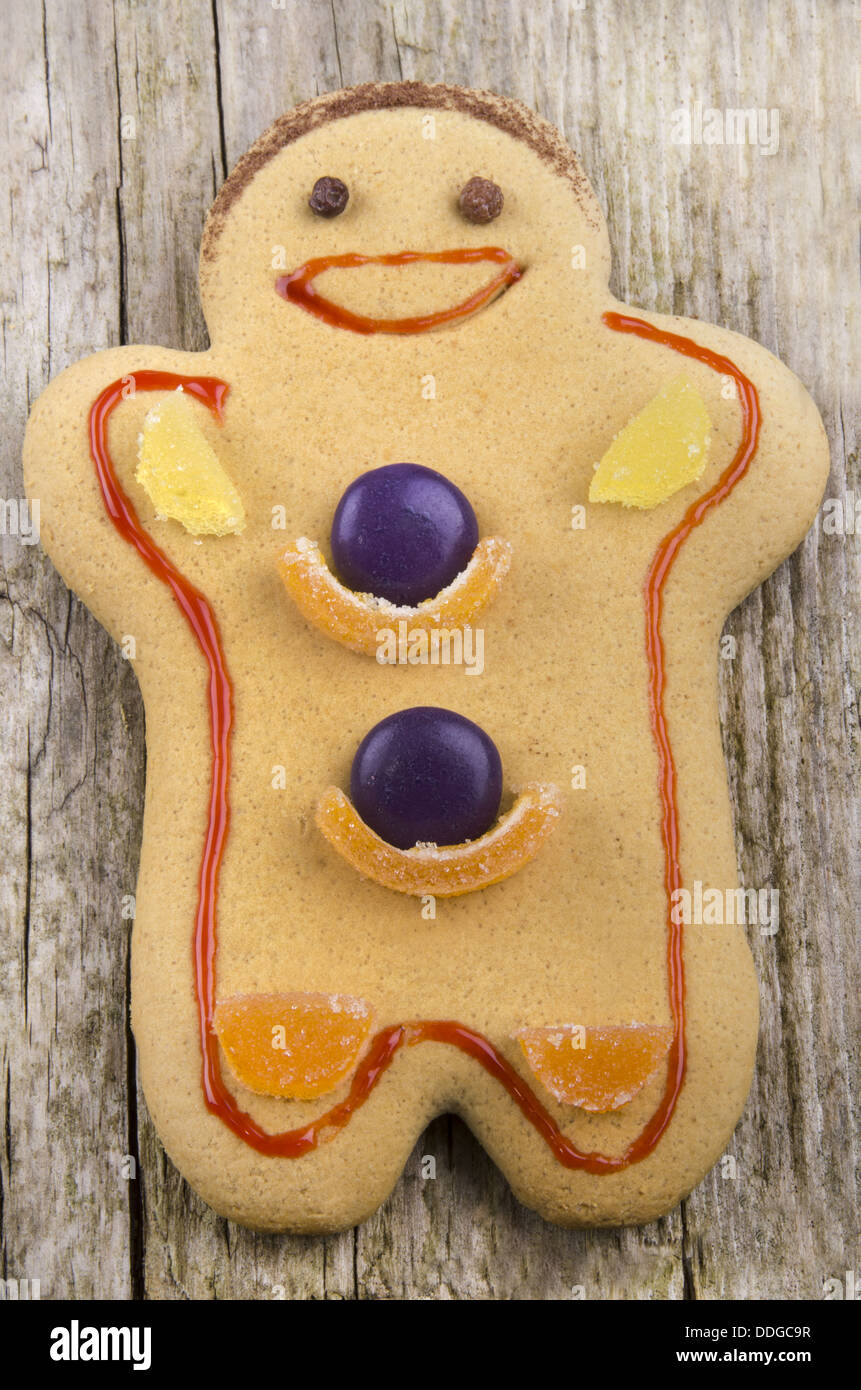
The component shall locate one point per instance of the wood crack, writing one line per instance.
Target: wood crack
(337, 45)
(218, 92)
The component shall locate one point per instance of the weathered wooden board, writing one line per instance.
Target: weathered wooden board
(120, 121)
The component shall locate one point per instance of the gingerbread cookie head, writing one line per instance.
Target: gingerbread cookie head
(426, 561)
(381, 170)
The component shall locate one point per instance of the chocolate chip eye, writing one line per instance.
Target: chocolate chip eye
(328, 197)
(480, 200)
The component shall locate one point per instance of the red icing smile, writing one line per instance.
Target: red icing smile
(298, 288)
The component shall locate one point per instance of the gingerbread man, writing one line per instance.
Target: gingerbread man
(426, 560)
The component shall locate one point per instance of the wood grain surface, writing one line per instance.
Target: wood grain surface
(119, 122)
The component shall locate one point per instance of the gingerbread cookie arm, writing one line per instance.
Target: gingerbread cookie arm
(781, 490)
(59, 473)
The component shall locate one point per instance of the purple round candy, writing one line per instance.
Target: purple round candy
(427, 775)
(402, 532)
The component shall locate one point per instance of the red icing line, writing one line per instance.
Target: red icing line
(201, 619)
(664, 559)
(298, 288)
(386, 1043)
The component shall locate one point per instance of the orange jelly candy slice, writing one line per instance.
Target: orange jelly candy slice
(356, 619)
(595, 1068)
(299, 1046)
(445, 871)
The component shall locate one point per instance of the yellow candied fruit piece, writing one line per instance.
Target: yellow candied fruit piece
(661, 450)
(355, 619)
(445, 871)
(298, 1046)
(181, 473)
(596, 1069)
